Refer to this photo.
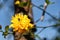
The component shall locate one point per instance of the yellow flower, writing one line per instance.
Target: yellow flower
(17, 2)
(21, 22)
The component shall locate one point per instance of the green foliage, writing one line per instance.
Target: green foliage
(6, 31)
(22, 4)
(48, 2)
(7, 28)
(5, 34)
(56, 25)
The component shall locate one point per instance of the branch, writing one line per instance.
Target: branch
(1, 31)
(55, 25)
(45, 11)
(41, 30)
(44, 26)
(8, 32)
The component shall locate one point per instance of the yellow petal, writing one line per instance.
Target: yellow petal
(17, 2)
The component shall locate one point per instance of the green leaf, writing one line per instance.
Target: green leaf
(47, 1)
(7, 28)
(6, 31)
(5, 34)
(23, 4)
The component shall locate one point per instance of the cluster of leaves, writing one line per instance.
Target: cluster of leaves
(5, 32)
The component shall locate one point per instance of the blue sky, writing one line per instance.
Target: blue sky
(6, 12)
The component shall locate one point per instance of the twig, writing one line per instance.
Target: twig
(1, 31)
(41, 30)
(44, 26)
(45, 11)
(8, 32)
(48, 26)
